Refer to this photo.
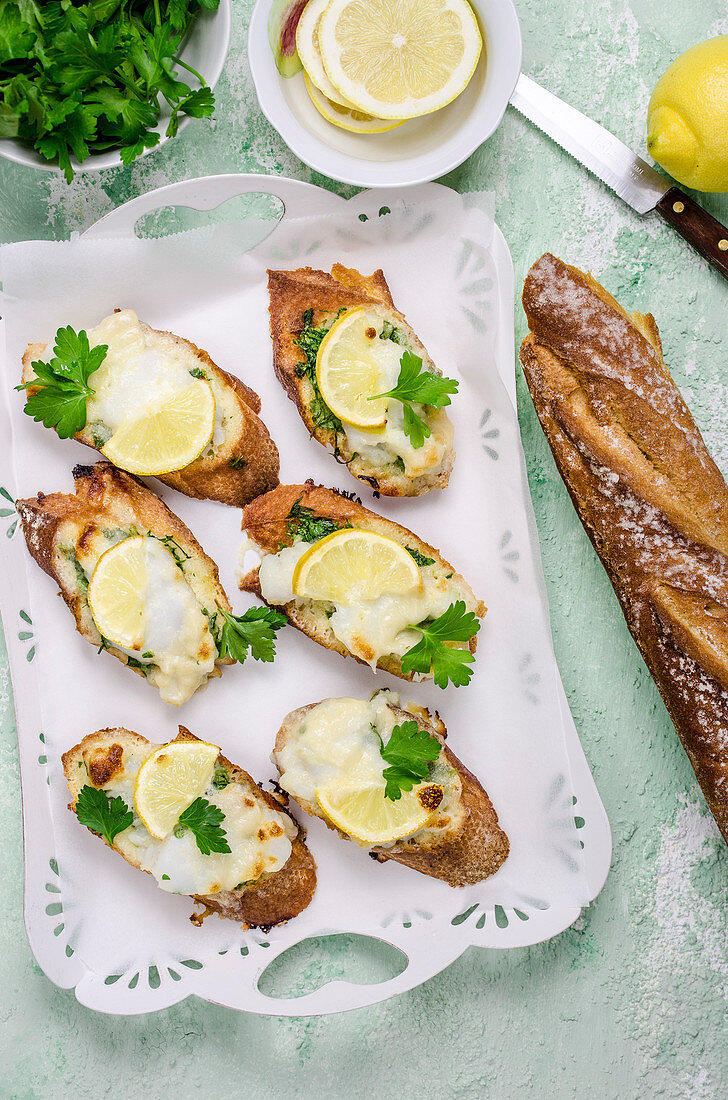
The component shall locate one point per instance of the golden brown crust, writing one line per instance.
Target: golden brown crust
(649, 495)
(294, 292)
(248, 442)
(265, 521)
(462, 856)
(274, 898)
(104, 497)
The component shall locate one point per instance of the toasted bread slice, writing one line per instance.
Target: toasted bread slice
(292, 294)
(66, 535)
(270, 523)
(240, 462)
(109, 759)
(462, 842)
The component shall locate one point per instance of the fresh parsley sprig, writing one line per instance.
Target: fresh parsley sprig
(432, 653)
(204, 822)
(60, 389)
(101, 814)
(78, 79)
(422, 387)
(409, 753)
(253, 632)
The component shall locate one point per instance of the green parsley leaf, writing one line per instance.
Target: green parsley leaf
(421, 560)
(60, 388)
(409, 752)
(204, 822)
(309, 340)
(101, 814)
(432, 652)
(220, 778)
(238, 462)
(422, 388)
(303, 523)
(254, 631)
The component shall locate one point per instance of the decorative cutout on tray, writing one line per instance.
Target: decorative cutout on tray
(559, 806)
(529, 679)
(488, 434)
(474, 285)
(5, 513)
(27, 635)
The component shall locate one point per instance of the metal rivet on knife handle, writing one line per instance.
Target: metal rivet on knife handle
(696, 226)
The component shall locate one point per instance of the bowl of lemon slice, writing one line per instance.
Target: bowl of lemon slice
(384, 93)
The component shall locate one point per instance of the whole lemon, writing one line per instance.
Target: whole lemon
(687, 118)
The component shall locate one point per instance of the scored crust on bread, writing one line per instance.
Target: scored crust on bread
(467, 850)
(242, 464)
(648, 493)
(57, 526)
(272, 898)
(266, 523)
(292, 293)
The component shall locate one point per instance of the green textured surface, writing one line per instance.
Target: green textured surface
(631, 1001)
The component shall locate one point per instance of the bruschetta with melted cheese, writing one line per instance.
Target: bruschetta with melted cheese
(361, 585)
(233, 847)
(381, 776)
(136, 580)
(338, 343)
(155, 404)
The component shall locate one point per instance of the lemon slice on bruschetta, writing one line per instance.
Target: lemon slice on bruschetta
(352, 565)
(168, 437)
(367, 816)
(170, 780)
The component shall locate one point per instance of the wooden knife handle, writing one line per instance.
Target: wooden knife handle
(698, 228)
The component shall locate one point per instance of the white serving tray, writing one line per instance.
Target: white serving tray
(430, 941)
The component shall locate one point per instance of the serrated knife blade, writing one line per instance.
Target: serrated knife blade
(628, 175)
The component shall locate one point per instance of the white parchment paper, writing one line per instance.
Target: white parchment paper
(506, 725)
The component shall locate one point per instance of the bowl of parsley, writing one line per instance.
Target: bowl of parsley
(97, 84)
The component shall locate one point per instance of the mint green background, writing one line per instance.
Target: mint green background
(629, 1002)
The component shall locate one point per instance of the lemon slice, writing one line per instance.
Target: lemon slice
(347, 118)
(399, 58)
(307, 48)
(352, 565)
(116, 593)
(167, 437)
(348, 370)
(364, 814)
(170, 780)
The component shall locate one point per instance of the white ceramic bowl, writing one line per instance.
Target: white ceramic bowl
(205, 49)
(420, 150)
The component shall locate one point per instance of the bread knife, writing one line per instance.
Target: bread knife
(632, 178)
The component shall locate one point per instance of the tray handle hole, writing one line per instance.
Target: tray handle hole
(254, 215)
(306, 966)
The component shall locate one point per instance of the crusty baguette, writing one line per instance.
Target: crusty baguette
(246, 443)
(265, 522)
(470, 850)
(107, 497)
(651, 499)
(294, 292)
(273, 898)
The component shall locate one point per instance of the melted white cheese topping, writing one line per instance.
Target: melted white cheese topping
(335, 743)
(369, 629)
(258, 838)
(175, 631)
(141, 369)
